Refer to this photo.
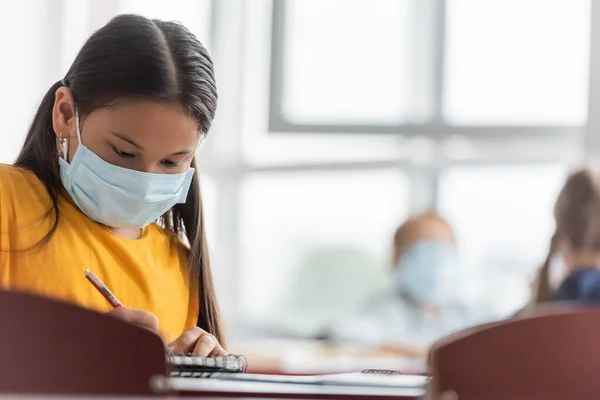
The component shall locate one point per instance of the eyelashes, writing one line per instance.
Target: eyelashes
(125, 155)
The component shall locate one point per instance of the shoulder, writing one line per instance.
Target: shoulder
(9, 175)
(21, 184)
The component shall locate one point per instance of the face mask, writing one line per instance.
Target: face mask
(119, 197)
(427, 272)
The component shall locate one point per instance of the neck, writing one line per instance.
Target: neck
(584, 260)
(127, 233)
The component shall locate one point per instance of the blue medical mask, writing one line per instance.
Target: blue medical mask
(119, 197)
(427, 272)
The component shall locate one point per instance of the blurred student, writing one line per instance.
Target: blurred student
(106, 181)
(422, 305)
(571, 271)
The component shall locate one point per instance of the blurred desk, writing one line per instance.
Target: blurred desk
(294, 357)
(195, 396)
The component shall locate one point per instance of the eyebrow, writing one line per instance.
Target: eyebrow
(183, 152)
(125, 138)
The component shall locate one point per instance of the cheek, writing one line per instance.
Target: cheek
(100, 148)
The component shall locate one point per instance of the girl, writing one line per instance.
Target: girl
(106, 181)
(572, 269)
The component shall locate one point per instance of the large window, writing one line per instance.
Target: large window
(389, 65)
(480, 107)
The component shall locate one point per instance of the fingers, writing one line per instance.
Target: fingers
(199, 342)
(207, 345)
(185, 343)
(137, 317)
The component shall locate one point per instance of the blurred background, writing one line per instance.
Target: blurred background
(340, 118)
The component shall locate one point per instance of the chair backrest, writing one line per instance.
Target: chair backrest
(552, 354)
(50, 347)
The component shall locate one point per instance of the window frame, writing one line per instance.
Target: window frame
(431, 28)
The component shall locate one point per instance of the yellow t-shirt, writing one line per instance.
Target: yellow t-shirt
(149, 273)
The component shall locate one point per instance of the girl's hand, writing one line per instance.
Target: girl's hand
(193, 340)
(137, 317)
(197, 341)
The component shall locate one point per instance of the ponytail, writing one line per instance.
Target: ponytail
(39, 155)
(188, 221)
(545, 291)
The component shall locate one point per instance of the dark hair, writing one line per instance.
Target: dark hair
(577, 216)
(135, 57)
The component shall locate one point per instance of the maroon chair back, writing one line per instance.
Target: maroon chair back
(554, 354)
(50, 347)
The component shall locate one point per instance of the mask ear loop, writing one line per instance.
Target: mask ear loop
(65, 148)
(65, 144)
(77, 130)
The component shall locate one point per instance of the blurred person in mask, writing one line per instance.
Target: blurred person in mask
(571, 271)
(422, 305)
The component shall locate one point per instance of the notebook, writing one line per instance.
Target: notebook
(370, 379)
(188, 366)
(225, 374)
(361, 385)
(231, 368)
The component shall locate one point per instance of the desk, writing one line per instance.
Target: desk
(261, 390)
(194, 397)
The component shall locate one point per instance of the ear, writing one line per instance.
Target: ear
(63, 114)
(396, 257)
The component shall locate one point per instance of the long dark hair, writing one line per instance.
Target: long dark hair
(135, 57)
(577, 216)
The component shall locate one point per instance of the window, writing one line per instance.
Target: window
(24, 50)
(453, 101)
(517, 62)
(194, 14)
(313, 245)
(337, 68)
(363, 66)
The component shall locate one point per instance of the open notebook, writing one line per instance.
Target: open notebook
(225, 374)
(188, 366)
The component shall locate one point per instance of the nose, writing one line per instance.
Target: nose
(149, 167)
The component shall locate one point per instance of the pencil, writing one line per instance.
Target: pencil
(104, 291)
